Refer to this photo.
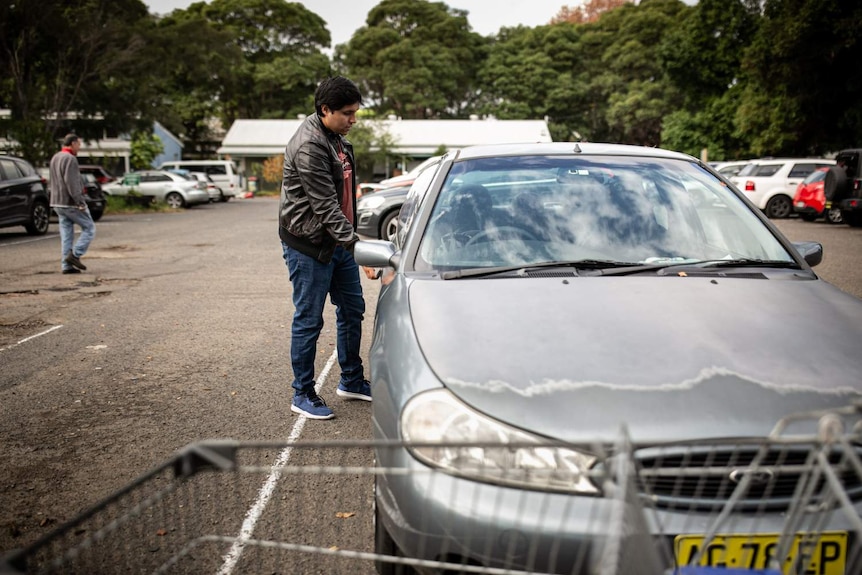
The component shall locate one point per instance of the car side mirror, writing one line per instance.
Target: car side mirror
(811, 252)
(376, 254)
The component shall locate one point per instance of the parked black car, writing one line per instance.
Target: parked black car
(24, 197)
(94, 196)
(377, 212)
(843, 186)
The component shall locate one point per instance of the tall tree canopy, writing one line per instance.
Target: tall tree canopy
(196, 67)
(702, 57)
(416, 59)
(64, 61)
(282, 45)
(804, 78)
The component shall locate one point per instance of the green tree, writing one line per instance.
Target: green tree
(531, 73)
(627, 82)
(710, 127)
(196, 67)
(416, 59)
(702, 57)
(804, 81)
(282, 45)
(372, 145)
(71, 64)
(145, 147)
(597, 81)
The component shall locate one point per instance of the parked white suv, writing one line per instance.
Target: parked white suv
(771, 182)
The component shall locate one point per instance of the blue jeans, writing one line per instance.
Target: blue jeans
(312, 281)
(68, 218)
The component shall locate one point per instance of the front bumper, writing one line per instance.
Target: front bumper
(434, 516)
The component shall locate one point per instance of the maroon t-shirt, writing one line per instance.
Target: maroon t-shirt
(347, 195)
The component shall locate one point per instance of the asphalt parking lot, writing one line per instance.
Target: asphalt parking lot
(179, 332)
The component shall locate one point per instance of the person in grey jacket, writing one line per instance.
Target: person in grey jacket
(67, 199)
(317, 227)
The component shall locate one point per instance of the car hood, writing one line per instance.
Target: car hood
(669, 357)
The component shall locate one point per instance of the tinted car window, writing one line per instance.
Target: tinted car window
(802, 170)
(25, 169)
(9, 170)
(850, 160)
(216, 170)
(413, 201)
(765, 170)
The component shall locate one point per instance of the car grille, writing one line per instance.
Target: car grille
(706, 478)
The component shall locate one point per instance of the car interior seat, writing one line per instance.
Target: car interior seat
(468, 211)
(530, 214)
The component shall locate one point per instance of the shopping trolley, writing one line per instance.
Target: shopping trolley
(787, 503)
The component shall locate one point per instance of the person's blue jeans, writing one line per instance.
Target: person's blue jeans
(68, 217)
(312, 281)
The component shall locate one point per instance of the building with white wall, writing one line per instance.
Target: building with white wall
(250, 141)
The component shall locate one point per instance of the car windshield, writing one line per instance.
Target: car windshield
(531, 210)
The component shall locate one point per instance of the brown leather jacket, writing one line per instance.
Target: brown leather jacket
(310, 217)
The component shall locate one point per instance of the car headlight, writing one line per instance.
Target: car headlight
(443, 432)
(369, 202)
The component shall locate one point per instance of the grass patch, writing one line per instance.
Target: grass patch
(134, 204)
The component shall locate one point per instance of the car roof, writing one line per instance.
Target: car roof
(782, 160)
(566, 148)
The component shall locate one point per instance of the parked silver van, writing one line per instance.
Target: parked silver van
(224, 174)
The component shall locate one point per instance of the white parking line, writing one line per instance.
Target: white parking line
(26, 339)
(232, 557)
(39, 239)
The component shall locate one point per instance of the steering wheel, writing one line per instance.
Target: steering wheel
(496, 233)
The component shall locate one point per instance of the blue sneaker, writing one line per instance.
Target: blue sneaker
(311, 406)
(360, 390)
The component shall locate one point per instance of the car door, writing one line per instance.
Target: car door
(155, 185)
(14, 192)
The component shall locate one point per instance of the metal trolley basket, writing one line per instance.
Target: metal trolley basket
(784, 504)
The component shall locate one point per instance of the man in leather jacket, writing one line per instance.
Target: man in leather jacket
(317, 227)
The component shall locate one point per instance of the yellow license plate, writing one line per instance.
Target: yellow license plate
(828, 553)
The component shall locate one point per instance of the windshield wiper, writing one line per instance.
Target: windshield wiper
(616, 268)
(735, 263)
(745, 263)
(526, 268)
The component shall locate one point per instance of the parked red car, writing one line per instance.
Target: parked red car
(810, 201)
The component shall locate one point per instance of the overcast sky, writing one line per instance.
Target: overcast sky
(485, 16)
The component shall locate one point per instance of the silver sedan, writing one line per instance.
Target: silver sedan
(176, 190)
(544, 301)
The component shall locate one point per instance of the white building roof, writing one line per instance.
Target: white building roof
(412, 137)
